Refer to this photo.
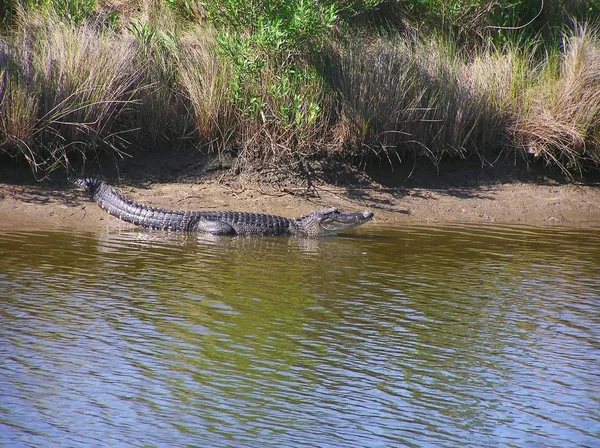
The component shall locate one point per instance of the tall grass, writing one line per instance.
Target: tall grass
(202, 80)
(157, 81)
(66, 88)
(398, 96)
(161, 119)
(562, 122)
(74, 90)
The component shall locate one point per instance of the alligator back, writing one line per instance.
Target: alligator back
(226, 222)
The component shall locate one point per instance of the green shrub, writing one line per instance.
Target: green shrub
(272, 42)
(73, 11)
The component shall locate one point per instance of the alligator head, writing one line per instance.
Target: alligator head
(329, 221)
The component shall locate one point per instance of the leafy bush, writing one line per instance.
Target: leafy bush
(268, 47)
(73, 11)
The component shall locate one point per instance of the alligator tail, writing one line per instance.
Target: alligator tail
(126, 209)
(91, 184)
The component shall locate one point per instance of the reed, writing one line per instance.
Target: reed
(160, 118)
(66, 88)
(155, 79)
(202, 82)
(561, 122)
(399, 96)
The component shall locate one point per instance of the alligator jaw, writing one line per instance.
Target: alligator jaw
(330, 221)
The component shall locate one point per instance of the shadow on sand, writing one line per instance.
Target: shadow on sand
(465, 179)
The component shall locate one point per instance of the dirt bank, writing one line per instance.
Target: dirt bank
(459, 193)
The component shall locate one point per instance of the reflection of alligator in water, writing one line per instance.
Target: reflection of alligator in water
(2, 85)
(324, 222)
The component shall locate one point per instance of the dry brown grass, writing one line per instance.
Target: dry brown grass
(398, 96)
(562, 124)
(66, 86)
(202, 81)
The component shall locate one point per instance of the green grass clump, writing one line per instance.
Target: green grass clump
(425, 98)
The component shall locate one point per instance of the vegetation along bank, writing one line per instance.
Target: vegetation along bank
(295, 84)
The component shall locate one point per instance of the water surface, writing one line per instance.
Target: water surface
(459, 336)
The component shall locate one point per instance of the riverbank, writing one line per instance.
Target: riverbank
(462, 192)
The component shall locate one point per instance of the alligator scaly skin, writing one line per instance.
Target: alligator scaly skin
(218, 222)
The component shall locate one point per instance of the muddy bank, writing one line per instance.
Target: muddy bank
(459, 193)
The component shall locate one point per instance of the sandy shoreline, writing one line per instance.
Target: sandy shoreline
(450, 198)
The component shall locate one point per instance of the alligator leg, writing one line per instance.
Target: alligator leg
(214, 227)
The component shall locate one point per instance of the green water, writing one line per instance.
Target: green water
(421, 336)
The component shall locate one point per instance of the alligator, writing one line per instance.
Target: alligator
(324, 222)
